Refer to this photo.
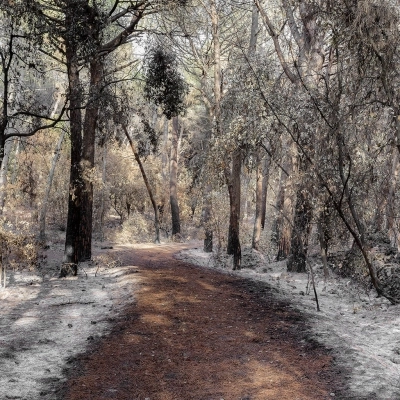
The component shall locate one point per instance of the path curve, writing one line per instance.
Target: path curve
(197, 334)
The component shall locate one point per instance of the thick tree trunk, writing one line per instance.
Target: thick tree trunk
(233, 247)
(72, 239)
(88, 155)
(173, 179)
(45, 202)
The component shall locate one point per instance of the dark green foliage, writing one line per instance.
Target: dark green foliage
(164, 85)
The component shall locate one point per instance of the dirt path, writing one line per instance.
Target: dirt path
(197, 334)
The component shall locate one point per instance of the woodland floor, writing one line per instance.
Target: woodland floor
(199, 334)
(141, 324)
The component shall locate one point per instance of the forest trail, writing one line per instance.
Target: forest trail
(193, 333)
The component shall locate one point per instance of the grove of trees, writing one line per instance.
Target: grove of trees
(264, 124)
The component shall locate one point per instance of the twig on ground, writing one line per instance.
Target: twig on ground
(313, 283)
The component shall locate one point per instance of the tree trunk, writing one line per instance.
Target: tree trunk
(391, 224)
(323, 245)
(16, 162)
(164, 171)
(104, 178)
(72, 239)
(233, 247)
(217, 67)
(173, 178)
(261, 195)
(148, 187)
(3, 173)
(282, 227)
(45, 202)
(207, 219)
(88, 155)
(247, 197)
(265, 180)
(301, 230)
(254, 30)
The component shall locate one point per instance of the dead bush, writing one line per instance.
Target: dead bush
(17, 249)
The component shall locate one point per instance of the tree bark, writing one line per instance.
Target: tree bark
(72, 239)
(233, 247)
(207, 219)
(254, 30)
(173, 179)
(215, 113)
(102, 202)
(164, 172)
(16, 162)
(88, 156)
(391, 224)
(265, 180)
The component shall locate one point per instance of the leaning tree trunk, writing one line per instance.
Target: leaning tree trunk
(233, 247)
(173, 179)
(148, 187)
(45, 202)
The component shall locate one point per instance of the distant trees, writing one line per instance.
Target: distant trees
(166, 88)
(27, 86)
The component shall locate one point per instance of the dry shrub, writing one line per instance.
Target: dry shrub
(106, 261)
(137, 228)
(18, 249)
